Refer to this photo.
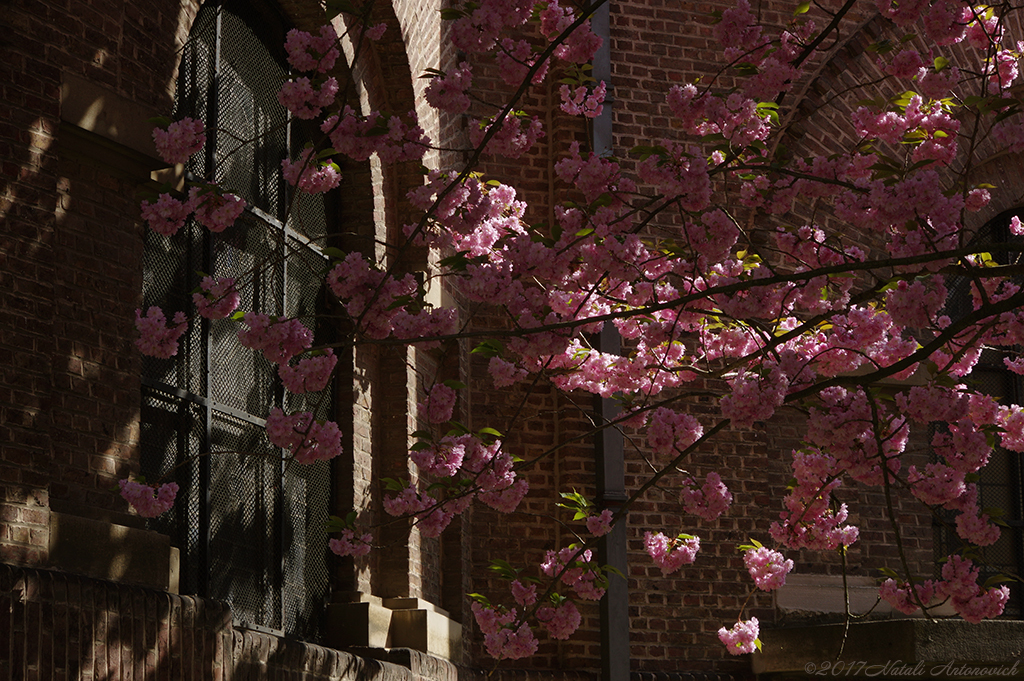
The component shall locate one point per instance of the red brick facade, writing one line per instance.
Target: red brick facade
(77, 83)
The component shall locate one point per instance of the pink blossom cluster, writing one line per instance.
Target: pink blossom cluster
(513, 136)
(311, 374)
(561, 621)
(180, 140)
(679, 173)
(359, 137)
(515, 59)
(985, 31)
(669, 432)
(753, 397)
(309, 174)
(485, 21)
(905, 64)
(738, 33)
(593, 176)
(307, 52)
(767, 568)
(448, 92)
(374, 300)
(959, 584)
(822, 531)
(149, 501)
(580, 46)
(217, 298)
(742, 638)
(278, 339)
(167, 215)
(439, 404)
(214, 209)
(708, 501)
(600, 524)
(583, 101)
(304, 100)
(377, 31)
(671, 554)
(350, 545)
(307, 439)
(916, 304)
(157, 339)
(578, 570)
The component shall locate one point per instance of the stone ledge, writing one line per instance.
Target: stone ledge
(905, 649)
(369, 622)
(113, 552)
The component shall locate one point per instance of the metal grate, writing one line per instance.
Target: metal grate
(1001, 483)
(250, 527)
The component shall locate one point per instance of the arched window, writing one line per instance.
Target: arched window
(249, 526)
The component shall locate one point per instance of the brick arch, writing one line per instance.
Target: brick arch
(819, 122)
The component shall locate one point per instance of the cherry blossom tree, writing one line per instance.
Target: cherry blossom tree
(808, 282)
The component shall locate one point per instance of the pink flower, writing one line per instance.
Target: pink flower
(181, 139)
(305, 101)
(560, 621)
(509, 644)
(670, 432)
(279, 339)
(349, 545)
(149, 501)
(310, 375)
(742, 638)
(376, 32)
(215, 210)
(525, 595)
(167, 215)
(307, 52)
(218, 298)
(157, 339)
(600, 525)
(898, 595)
(768, 568)
(671, 554)
(439, 405)
(582, 101)
(711, 500)
(307, 439)
(448, 93)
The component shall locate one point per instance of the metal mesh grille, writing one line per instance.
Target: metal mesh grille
(250, 528)
(1002, 480)
(244, 515)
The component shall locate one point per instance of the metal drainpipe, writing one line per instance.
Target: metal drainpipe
(608, 445)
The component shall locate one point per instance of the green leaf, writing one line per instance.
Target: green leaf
(488, 348)
(458, 429)
(940, 63)
(237, 316)
(161, 121)
(489, 431)
(451, 14)
(802, 8)
(393, 485)
(455, 385)
(480, 598)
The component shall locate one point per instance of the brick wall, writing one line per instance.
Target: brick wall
(59, 626)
